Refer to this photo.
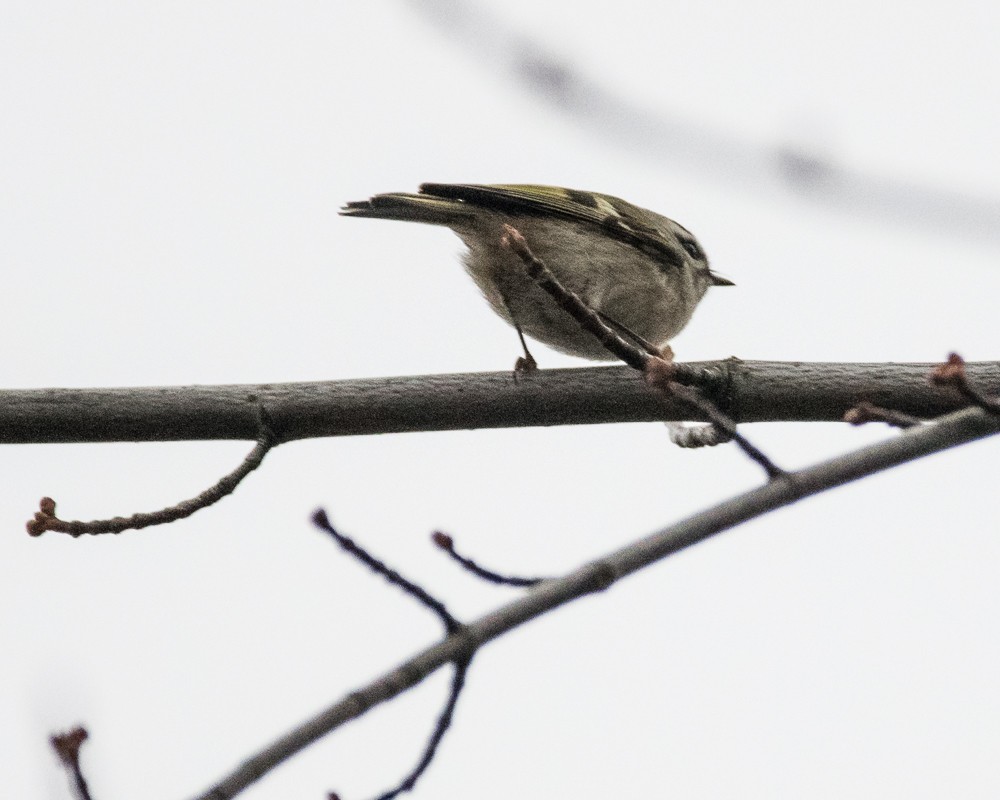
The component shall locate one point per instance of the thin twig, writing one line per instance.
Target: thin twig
(45, 518)
(422, 596)
(953, 373)
(588, 319)
(660, 374)
(67, 746)
(446, 543)
(865, 412)
(440, 729)
(451, 624)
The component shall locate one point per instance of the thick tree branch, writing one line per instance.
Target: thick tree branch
(747, 391)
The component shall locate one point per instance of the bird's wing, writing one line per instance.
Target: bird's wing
(617, 218)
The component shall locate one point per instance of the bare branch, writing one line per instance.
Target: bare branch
(451, 626)
(379, 567)
(660, 373)
(955, 429)
(446, 543)
(45, 518)
(585, 316)
(865, 412)
(953, 374)
(440, 729)
(747, 391)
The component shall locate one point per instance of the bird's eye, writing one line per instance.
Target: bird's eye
(692, 248)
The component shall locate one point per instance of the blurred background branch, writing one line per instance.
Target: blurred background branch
(670, 138)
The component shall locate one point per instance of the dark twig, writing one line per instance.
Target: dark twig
(45, 518)
(694, 435)
(321, 521)
(660, 376)
(952, 373)
(440, 729)
(451, 625)
(865, 412)
(643, 344)
(446, 543)
(67, 746)
(659, 373)
(588, 319)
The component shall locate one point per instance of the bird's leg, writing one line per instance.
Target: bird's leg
(525, 364)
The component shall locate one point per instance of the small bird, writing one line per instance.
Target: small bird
(641, 272)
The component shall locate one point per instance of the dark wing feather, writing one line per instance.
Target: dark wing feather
(543, 200)
(617, 218)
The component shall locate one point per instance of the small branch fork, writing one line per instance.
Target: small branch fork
(452, 628)
(321, 521)
(45, 518)
(660, 374)
(952, 374)
(865, 412)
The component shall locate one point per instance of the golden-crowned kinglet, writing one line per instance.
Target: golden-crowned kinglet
(641, 272)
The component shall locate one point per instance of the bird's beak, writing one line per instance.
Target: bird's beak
(718, 280)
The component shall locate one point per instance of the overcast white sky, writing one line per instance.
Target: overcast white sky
(169, 180)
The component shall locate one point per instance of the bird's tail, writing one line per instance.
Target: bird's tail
(410, 208)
